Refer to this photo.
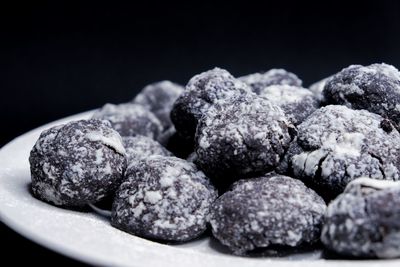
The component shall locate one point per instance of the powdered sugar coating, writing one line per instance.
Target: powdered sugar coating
(77, 163)
(201, 92)
(241, 136)
(130, 119)
(258, 81)
(297, 102)
(164, 198)
(159, 98)
(375, 88)
(364, 221)
(336, 145)
(140, 147)
(268, 210)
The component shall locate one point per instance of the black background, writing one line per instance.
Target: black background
(58, 59)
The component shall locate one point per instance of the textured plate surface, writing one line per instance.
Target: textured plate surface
(88, 237)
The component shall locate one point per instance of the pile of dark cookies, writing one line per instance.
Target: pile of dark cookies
(254, 158)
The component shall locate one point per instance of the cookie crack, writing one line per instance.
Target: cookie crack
(380, 165)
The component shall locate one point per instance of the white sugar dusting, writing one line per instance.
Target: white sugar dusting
(130, 119)
(349, 139)
(152, 197)
(258, 81)
(114, 141)
(252, 127)
(284, 94)
(264, 211)
(49, 193)
(170, 201)
(357, 222)
(70, 169)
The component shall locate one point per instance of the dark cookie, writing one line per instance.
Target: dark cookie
(201, 92)
(77, 163)
(159, 98)
(163, 198)
(364, 221)
(298, 103)
(268, 210)
(140, 147)
(130, 120)
(375, 88)
(242, 136)
(336, 145)
(258, 81)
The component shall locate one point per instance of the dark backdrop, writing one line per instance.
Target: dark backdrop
(57, 59)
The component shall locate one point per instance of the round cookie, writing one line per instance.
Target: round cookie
(77, 163)
(242, 136)
(298, 103)
(140, 147)
(258, 81)
(130, 120)
(364, 221)
(201, 92)
(375, 88)
(163, 198)
(268, 210)
(336, 145)
(159, 97)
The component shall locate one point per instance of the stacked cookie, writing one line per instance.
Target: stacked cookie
(274, 151)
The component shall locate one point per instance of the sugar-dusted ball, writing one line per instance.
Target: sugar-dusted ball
(77, 163)
(336, 145)
(375, 88)
(202, 91)
(364, 221)
(131, 119)
(159, 97)
(258, 81)
(242, 136)
(298, 103)
(265, 211)
(163, 198)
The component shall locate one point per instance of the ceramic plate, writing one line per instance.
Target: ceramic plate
(88, 237)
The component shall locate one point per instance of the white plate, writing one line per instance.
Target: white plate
(89, 237)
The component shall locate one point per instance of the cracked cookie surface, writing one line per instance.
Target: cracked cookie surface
(336, 145)
(77, 163)
(364, 221)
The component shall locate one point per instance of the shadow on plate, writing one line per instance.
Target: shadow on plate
(314, 252)
(330, 255)
(275, 251)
